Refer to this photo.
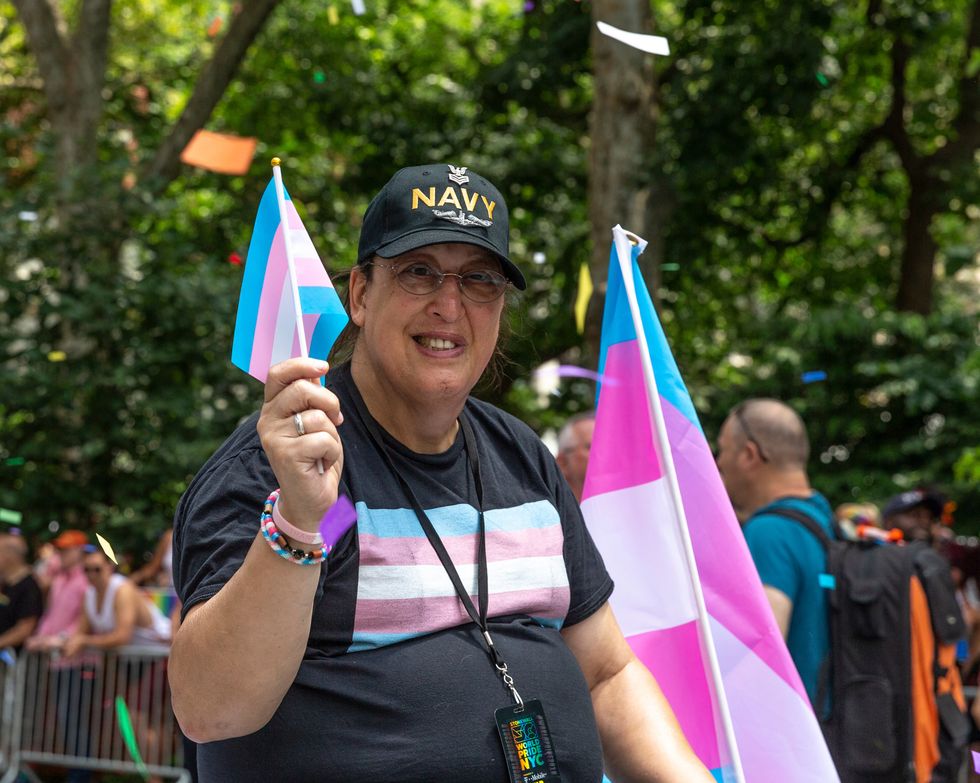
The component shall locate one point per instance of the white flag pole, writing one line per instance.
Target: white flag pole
(287, 241)
(621, 239)
(293, 284)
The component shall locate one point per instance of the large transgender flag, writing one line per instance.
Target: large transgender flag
(758, 727)
(265, 328)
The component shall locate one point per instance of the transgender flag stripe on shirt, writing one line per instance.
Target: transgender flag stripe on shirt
(403, 590)
(630, 511)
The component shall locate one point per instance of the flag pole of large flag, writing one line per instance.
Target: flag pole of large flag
(287, 307)
(687, 594)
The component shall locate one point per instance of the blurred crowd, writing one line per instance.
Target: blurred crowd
(72, 597)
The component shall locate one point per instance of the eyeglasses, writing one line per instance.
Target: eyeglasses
(480, 285)
(93, 569)
(740, 417)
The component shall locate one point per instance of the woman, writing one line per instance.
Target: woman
(460, 631)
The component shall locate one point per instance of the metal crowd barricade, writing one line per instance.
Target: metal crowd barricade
(63, 713)
(7, 681)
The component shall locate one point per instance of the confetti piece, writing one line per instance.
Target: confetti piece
(107, 548)
(573, 371)
(215, 27)
(545, 378)
(976, 760)
(332, 16)
(234, 259)
(7, 657)
(10, 516)
(14, 462)
(57, 356)
(669, 267)
(654, 44)
(584, 295)
(223, 153)
(319, 76)
(358, 6)
(27, 216)
(824, 81)
(813, 376)
(128, 735)
(337, 520)
(827, 581)
(528, 6)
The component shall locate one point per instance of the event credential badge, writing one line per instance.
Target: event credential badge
(527, 743)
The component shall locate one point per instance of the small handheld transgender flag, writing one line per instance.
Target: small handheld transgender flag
(288, 307)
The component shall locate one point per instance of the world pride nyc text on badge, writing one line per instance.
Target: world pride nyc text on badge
(527, 744)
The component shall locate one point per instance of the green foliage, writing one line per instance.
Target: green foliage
(898, 408)
(786, 253)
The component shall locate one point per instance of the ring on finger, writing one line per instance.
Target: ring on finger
(298, 423)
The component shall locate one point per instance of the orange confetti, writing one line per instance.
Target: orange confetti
(220, 152)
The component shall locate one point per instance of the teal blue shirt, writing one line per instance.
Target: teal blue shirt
(791, 559)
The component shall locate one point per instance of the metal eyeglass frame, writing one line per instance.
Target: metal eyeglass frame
(441, 276)
(739, 414)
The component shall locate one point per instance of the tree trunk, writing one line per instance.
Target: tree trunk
(919, 251)
(622, 129)
(73, 74)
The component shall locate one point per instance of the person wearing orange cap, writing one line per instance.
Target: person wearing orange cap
(65, 595)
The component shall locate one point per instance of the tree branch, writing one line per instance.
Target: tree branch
(91, 48)
(966, 124)
(211, 85)
(41, 22)
(894, 124)
(91, 42)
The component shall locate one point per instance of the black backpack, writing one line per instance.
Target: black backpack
(865, 694)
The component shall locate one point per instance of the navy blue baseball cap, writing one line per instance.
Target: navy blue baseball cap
(435, 204)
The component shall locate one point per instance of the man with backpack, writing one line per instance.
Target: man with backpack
(762, 454)
(871, 624)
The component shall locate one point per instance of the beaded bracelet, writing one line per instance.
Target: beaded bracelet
(279, 543)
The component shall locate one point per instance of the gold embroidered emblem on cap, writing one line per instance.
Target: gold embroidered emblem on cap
(450, 196)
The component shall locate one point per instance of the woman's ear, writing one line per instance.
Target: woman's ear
(357, 292)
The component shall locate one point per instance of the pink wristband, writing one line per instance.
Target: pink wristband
(291, 531)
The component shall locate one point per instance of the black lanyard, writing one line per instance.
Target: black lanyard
(483, 590)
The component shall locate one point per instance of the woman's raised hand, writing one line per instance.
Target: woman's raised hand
(298, 428)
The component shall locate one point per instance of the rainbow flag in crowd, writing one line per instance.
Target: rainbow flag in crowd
(266, 332)
(164, 598)
(705, 632)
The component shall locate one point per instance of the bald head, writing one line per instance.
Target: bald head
(574, 444)
(777, 431)
(567, 437)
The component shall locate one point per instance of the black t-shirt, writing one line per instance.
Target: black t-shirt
(396, 684)
(18, 602)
